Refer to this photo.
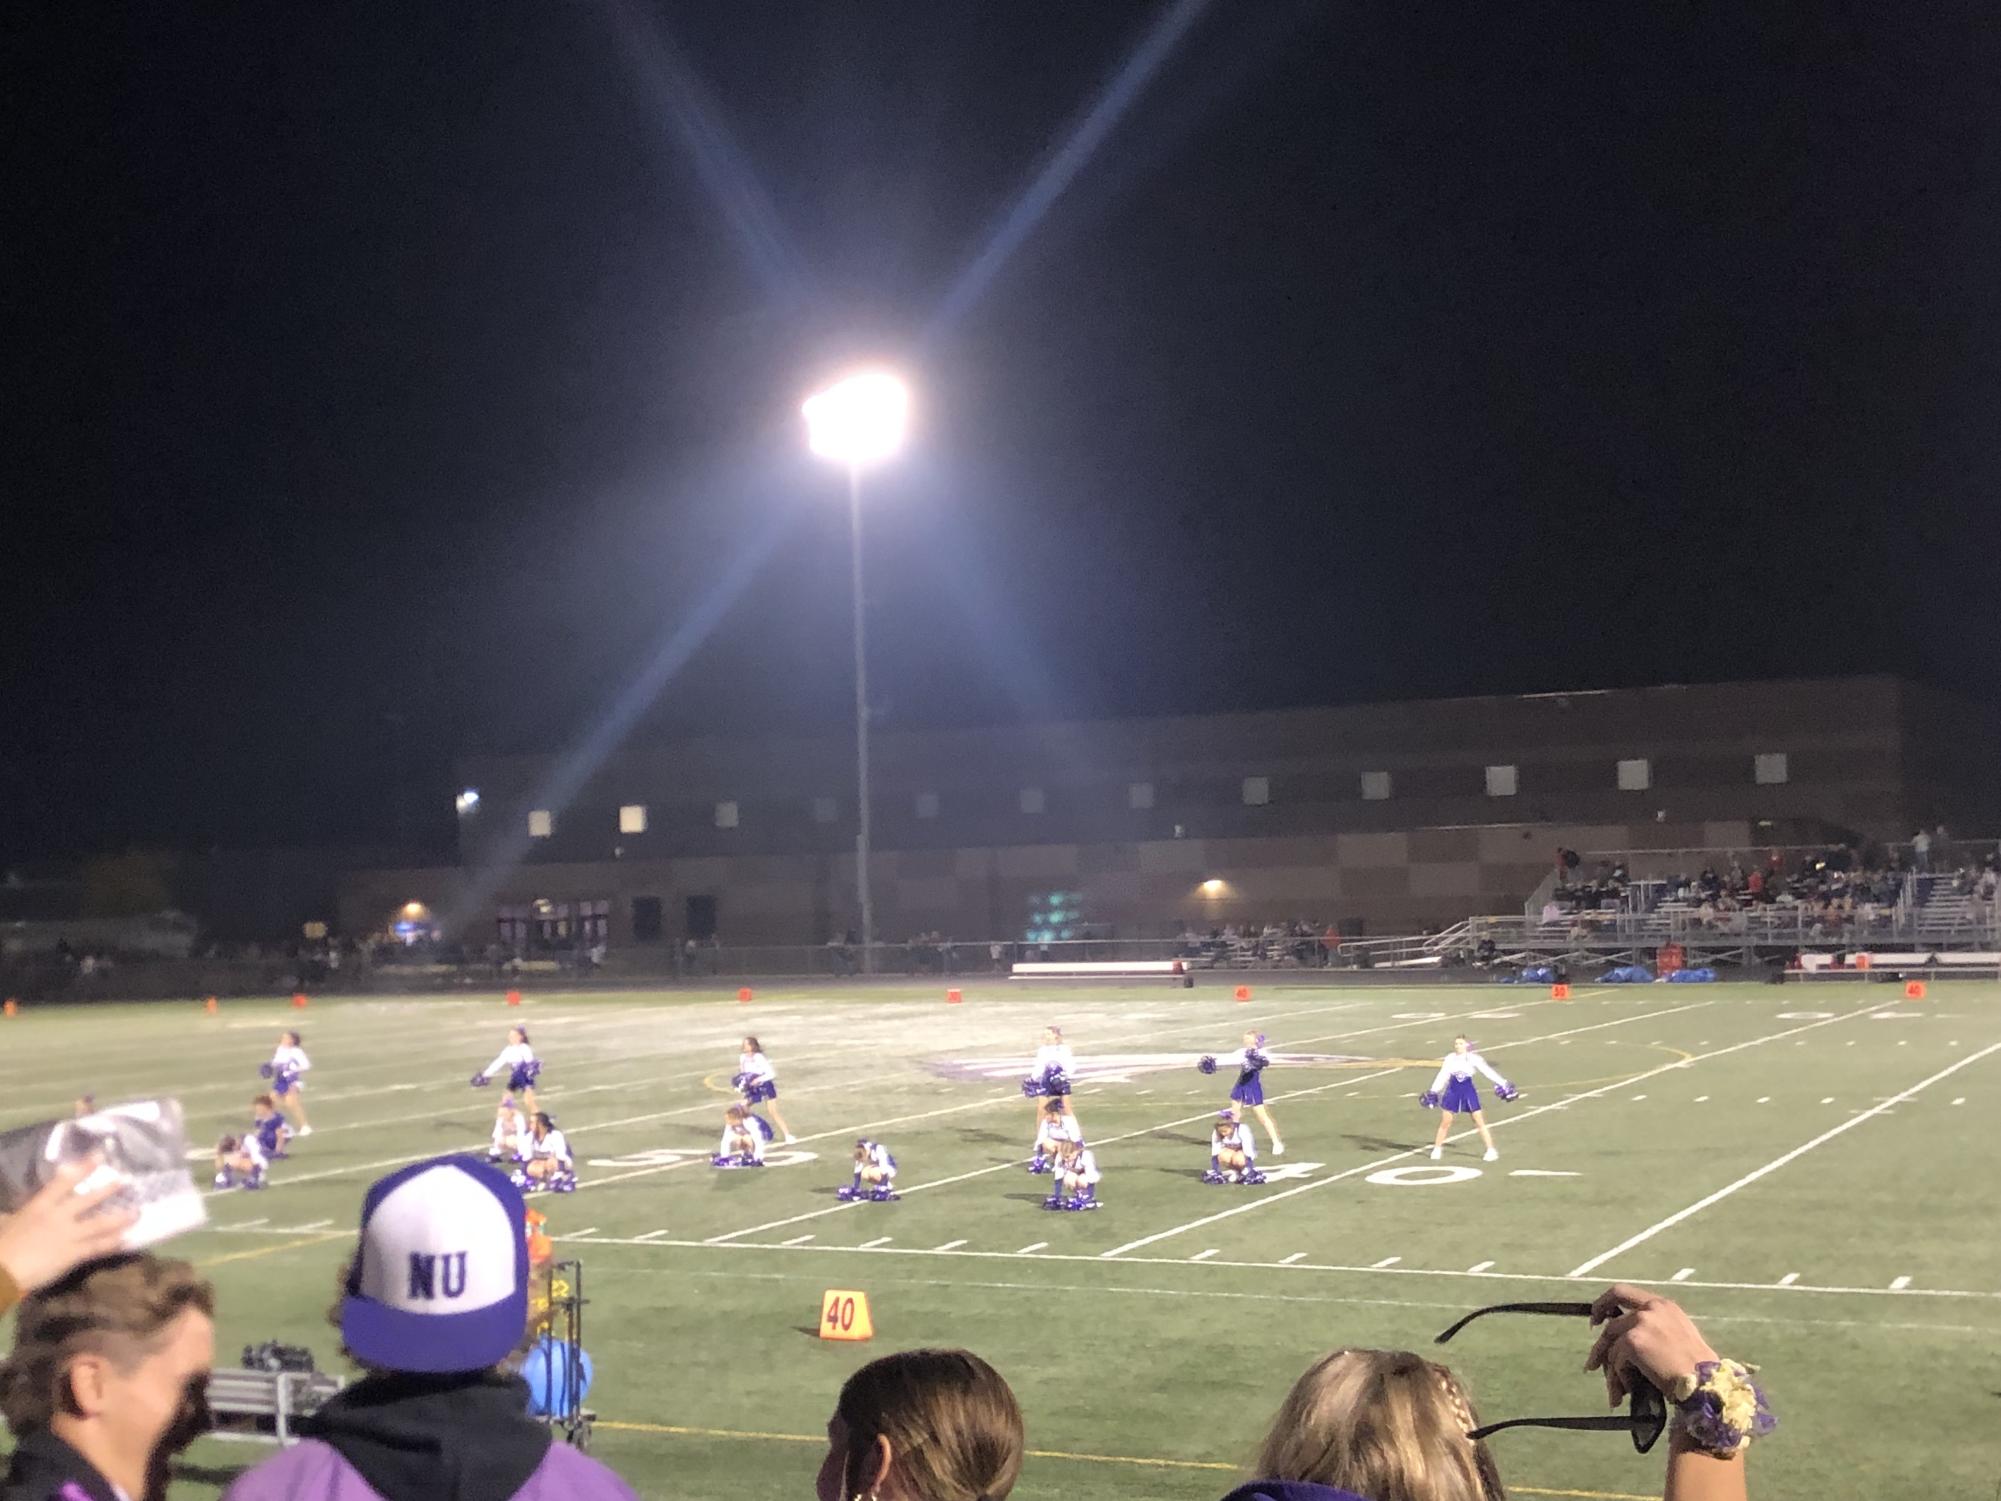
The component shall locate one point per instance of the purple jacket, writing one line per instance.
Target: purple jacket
(314, 1471)
(1290, 1490)
(429, 1438)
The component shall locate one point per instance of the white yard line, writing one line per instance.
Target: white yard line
(1789, 1279)
(1898, 1284)
(1029, 1249)
(1205, 1255)
(1511, 1120)
(1386, 1261)
(1479, 1266)
(870, 1245)
(1587, 1267)
(651, 1235)
(950, 1245)
(1295, 1256)
(799, 1240)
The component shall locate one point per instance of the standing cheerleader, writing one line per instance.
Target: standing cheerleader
(285, 1069)
(549, 1163)
(1461, 1097)
(1250, 1061)
(513, 1138)
(518, 1058)
(757, 1081)
(1049, 1076)
(742, 1143)
(1077, 1179)
(1233, 1151)
(875, 1174)
(1054, 1126)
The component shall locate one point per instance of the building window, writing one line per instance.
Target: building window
(1139, 795)
(1032, 800)
(726, 815)
(632, 818)
(1769, 768)
(1257, 791)
(541, 823)
(825, 810)
(1375, 786)
(927, 805)
(1636, 776)
(1500, 781)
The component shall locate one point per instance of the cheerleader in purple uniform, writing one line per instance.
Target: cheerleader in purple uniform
(757, 1081)
(1454, 1093)
(518, 1058)
(1049, 1076)
(288, 1064)
(1248, 1092)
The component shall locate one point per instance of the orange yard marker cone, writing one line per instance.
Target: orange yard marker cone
(11, 1008)
(1559, 992)
(298, 1000)
(844, 1315)
(744, 995)
(514, 998)
(953, 998)
(210, 1006)
(1243, 992)
(1914, 990)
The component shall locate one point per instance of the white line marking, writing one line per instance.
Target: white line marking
(1028, 1250)
(1511, 1120)
(1960, 1101)
(1541, 1172)
(587, 1230)
(870, 1245)
(1386, 1261)
(1898, 1284)
(1639, 1097)
(1478, 1266)
(652, 1235)
(1827, 1099)
(950, 1245)
(1764, 1099)
(246, 1225)
(1204, 1255)
(1778, 1162)
(1789, 1279)
(798, 1240)
(1683, 1275)
(317, 1225)
(1702, 1099)
(1295, 1256)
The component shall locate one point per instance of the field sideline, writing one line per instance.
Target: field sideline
(1805, 1168)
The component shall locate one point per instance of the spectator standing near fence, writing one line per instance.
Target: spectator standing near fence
(1921, 852)
(434, 1308)
(107, 1380)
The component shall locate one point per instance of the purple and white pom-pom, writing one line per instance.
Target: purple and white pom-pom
(1507, 1091)
(1207, 1064)
(265, 1070)
(479, 1081)
(1429, 1100)
(1032, 1087)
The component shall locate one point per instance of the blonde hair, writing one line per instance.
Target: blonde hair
(1385, 1424)
(953, 1425)
(118, 1308)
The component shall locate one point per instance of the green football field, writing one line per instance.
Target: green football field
(1809, 1169)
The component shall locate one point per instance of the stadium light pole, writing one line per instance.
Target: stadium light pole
(858, 422)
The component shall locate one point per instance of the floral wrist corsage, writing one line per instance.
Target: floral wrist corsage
(1720, 1408)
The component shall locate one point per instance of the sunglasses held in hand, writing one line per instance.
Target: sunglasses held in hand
(1646, 1409)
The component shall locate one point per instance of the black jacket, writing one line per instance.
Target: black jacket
(463, 1437)
(43, 1465)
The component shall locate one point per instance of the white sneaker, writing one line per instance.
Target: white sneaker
(1436, 1153)
(1278, 1149)
(1492, 1156)
(303, 1131)
(790, 1138)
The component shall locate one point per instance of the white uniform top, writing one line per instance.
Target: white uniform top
(1246, 1142)
(290, 1060)
(1053, 1055)
(252, 1146)
(511, 1057)
(513, 1139)
(554, 1146)
(878, 1158)
(757, 1067)
(1463, 1066)
(1085, 1166)
(1064, 1128)
(735, 1138)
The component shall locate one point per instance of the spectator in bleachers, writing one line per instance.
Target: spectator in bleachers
(925, 1425)
(434, 1308)
(107, 1380)
(1390, 1425)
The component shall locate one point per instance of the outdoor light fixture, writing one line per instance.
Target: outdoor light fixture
(467, 800)
(860, 419)
(1212, 887)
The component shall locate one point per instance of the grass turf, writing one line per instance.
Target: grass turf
(1715, 1140)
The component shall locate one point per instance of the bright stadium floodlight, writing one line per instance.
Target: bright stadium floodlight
(859, 419)
(856, 422)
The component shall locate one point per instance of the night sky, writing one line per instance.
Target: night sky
(390, 381)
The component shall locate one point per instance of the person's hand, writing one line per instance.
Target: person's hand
(1645, 1333)
(56, 1230)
